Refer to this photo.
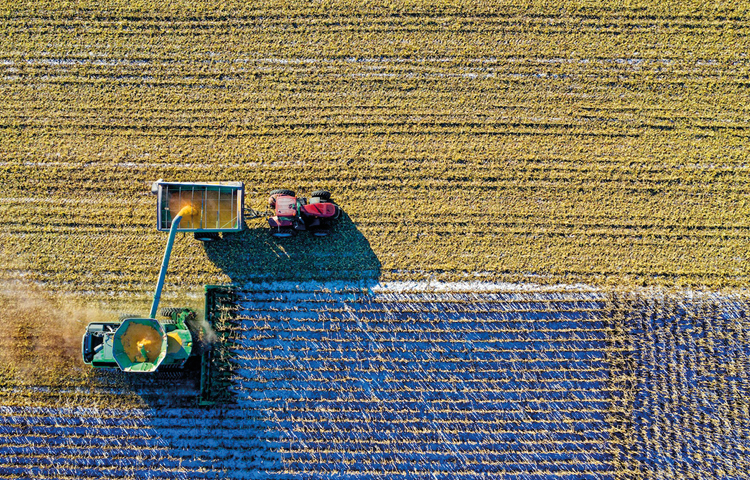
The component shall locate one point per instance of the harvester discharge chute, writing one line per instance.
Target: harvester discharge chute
(145, 344)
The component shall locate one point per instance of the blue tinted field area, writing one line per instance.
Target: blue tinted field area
(413, 381)
(441, 385)
(692, 368)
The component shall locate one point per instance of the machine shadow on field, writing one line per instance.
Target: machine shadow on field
(253, 255)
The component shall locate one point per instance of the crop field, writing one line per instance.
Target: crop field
(541, 270)
(688, 359)
(584, 141)
(411, 380)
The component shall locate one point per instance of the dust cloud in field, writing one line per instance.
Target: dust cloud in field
(40, 335)
(208, 335)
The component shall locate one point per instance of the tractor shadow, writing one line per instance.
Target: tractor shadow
(253, 255)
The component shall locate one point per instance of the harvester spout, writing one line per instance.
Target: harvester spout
(186, 211)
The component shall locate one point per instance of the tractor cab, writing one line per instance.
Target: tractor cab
(284, 215)
(286, 206)
(293, 214)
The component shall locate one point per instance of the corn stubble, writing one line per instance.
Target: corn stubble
(685, 384)
(600, 145)
(594, 143)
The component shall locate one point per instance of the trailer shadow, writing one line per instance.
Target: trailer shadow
(253, 255)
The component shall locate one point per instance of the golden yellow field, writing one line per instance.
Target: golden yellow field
(526, 141)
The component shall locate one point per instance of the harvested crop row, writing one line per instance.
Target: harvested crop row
(332, 376)
(360, 399)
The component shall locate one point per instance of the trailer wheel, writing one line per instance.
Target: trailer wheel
(324, 195)
(207, 236)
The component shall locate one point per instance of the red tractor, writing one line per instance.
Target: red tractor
(292, 214)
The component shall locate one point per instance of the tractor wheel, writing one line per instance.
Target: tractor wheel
(323, 195)
(285, 233)
(206, 237)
